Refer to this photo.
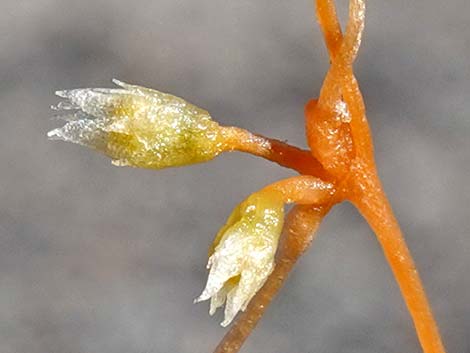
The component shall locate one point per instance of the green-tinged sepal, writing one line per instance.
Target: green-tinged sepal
(138, 126)
(243, 252)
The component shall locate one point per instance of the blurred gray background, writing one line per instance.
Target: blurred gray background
(100, 259)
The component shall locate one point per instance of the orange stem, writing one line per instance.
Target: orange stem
(372, 202)
(340, 80)
(302, 190)
(364, 188)
(273, 150)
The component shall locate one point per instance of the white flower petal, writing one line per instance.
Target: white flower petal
(232, 307)
(218, 299)
(222, 269)
(84, 132)
(99, 103)
(157, 96)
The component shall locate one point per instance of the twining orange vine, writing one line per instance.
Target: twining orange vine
(256, 249)
(344, 148)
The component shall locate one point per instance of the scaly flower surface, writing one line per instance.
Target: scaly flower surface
(242, 255)
(138, 126)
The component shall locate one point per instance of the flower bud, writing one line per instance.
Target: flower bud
(138, 126)
(243, 252)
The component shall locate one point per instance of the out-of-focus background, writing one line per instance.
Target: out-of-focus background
(100, 259)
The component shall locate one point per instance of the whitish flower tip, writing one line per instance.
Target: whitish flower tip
(54, 134)
(120, 83)
(201, 298)
(227, 320)
(63, 93)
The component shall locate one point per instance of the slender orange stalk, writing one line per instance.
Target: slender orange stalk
(365, 190)
(369, 197)
(288, 156)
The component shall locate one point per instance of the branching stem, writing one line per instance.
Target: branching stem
(364, 188)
